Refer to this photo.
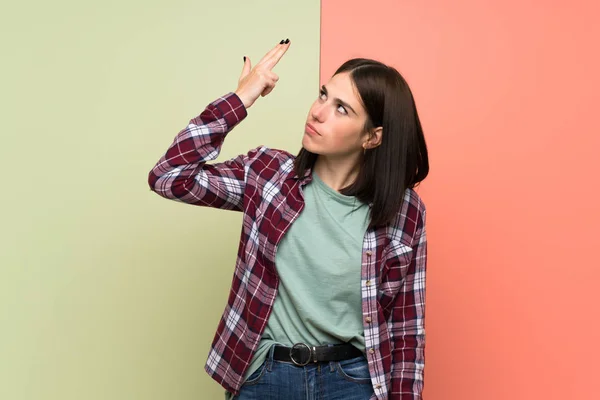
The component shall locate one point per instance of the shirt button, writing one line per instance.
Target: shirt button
(371, 351)
(369, 253)
(368, 320)
(368, 283)
(378, 386)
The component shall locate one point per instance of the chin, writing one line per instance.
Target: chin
(307, 145)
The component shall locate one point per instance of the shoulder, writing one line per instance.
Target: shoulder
(410, 221)
(268, 162)
(263, 153)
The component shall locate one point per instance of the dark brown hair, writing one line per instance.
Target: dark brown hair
(401, 161)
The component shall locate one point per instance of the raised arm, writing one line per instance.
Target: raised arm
(183, 173)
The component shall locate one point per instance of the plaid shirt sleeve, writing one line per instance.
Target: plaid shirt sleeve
(407, 324)
(182, 174)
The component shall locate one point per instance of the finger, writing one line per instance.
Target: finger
(271, 76)
(272, 61)
(247, 67)
(269, 87)
(267, 91)
(269, 54)
(273, 57)
(277, 55)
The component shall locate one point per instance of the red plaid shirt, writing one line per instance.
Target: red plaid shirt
(262, 184)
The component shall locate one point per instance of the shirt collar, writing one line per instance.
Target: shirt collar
(303, 179)
(307, 178)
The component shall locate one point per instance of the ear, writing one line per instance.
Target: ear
(374, 139)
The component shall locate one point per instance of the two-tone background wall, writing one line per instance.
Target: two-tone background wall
(109, 292)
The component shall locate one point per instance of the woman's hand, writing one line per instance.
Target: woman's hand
(260, 80)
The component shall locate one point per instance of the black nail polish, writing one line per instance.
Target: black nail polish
(287, 40)
(244, 58)
(282, 42)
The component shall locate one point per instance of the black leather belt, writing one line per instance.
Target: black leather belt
(302, 354)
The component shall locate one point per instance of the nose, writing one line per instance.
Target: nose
(317, 112)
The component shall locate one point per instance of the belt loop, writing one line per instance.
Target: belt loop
(270, 358)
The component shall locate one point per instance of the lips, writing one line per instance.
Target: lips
(311, 130)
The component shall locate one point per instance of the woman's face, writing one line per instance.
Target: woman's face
(336, 120)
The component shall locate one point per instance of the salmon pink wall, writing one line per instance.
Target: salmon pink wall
(508, 92)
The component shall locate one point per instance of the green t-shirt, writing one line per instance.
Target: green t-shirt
(319, 265)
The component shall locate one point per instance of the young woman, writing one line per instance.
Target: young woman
(328, 294)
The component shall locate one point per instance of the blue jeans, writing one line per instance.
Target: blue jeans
(334, 380)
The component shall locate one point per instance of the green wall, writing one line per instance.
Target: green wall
(108, 291)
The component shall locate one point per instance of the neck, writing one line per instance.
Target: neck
(337, 173)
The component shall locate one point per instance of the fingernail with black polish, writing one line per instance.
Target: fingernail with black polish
(244, 58)
(287, 40)
(282, 42)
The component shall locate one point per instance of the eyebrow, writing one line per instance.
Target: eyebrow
(342, 102)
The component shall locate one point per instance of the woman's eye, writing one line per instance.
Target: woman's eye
(341, 109)
(322, 94)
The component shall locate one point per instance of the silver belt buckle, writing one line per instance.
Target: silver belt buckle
(298, 345)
